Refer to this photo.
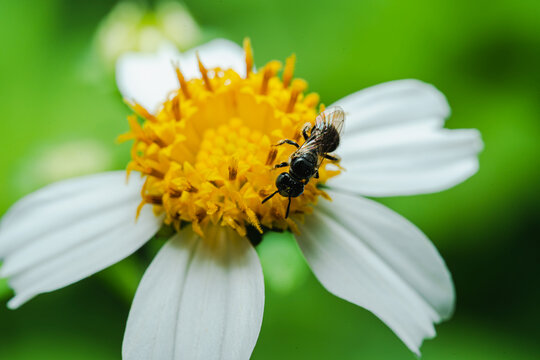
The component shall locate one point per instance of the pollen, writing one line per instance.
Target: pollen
(208, 155)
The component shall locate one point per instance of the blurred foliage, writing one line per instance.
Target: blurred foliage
(284, 266)
(4, 289)
(483, 55)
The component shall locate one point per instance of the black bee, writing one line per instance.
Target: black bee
(320, 140)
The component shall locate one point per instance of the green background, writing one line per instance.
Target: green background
(484, 55)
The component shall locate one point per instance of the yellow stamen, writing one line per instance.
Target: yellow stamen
(272, 154)
(208, 155)
(182, 81)
(140, 110)
(249, 56)
(288, 72)
(297, 87)
(270, 71)
(311, 100)
(136, 131)
(175, 108)
(233, 168)
(204, 74)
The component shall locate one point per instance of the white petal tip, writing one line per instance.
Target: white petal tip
(430, 90)
(477, 141)
(386, 265)
(16, 302)
(78, 227)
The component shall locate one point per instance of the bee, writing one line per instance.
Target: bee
(319, 141)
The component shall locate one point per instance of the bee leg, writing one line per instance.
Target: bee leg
(287, 141)
(316, 176)
(283, 164)
(288, 208)
(305, 129)
(334, 158)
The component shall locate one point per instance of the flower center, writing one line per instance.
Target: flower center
(209, 154)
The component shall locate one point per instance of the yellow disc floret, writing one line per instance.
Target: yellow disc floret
(209, 154)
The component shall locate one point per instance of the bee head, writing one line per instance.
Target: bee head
(288, 186)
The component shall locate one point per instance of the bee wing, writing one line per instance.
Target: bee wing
(333, 116)
(308, 147)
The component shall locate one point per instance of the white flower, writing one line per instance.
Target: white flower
(133, 27)
(203, 298)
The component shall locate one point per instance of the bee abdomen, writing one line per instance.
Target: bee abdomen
(331, 140)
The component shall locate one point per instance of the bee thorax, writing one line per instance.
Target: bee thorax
(304, 166)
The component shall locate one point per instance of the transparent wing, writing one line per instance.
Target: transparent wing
(329, 121)
(333, 116)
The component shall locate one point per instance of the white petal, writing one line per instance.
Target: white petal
(394, 144)
(368, 255)
(149, 78)
(70, 230)
(392, 103)
(220, 53)
(413, 159)
(63, 203)
(199, 299)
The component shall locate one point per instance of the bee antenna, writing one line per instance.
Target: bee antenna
(269, 197)
(288, 208)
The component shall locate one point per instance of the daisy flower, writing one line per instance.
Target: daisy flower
(202, 162)
(131, 26)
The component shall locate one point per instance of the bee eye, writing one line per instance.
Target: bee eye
(284, 180)
(289, 187)
(302, 168)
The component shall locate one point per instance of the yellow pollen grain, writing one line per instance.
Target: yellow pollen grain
(208, 157)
